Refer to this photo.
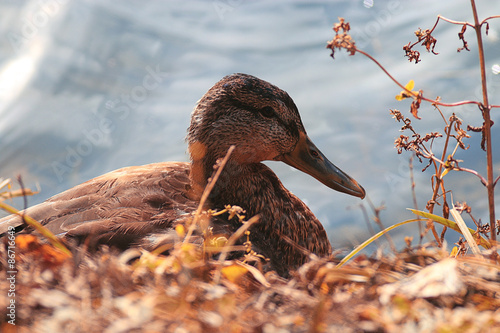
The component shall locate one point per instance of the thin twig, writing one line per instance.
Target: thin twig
(23, 190)
(376, 218)
(459, 168)
(367, 220)
(452, 22)
(414, 196)
(409, 91)
(206, 193)
(489, 18)
(438, 178)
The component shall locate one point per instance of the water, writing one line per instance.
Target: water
(90, 86)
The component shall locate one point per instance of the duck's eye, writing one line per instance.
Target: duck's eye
(267, 112)
(315, 154)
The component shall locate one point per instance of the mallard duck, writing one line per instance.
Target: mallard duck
(140, 205)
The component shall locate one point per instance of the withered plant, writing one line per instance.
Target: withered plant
(453, 135)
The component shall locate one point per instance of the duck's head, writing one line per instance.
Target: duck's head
(263, 123)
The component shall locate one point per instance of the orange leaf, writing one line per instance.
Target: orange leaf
(31, 245)
(25, 242)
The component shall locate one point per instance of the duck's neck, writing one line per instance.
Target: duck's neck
(286, 224)
(198, 174)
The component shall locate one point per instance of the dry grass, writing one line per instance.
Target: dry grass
(417, 290)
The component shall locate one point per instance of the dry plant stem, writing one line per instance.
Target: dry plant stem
(4, 182)
(414, 196)
(446, 208)
(463, 23)
(410, 92)
(25, 198)
(439, 181)
(440, 17)
(367, 220)
(489, 18)
(206, 193)
(436, 161)
(376, 218)
(485, 108)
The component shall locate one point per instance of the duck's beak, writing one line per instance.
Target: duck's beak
(309, 159)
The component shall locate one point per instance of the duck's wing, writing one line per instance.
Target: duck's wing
(119, 208)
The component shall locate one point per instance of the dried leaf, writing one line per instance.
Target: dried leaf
(461, 37)
(342, 40)
(439, 279)
(414, 109)
(50, 255)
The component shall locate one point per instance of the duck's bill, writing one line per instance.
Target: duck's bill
(309, 159)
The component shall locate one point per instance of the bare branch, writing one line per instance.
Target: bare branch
(452, 22)
(408, 91)
(489, 18)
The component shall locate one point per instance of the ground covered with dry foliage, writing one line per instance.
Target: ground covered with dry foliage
(417, 290)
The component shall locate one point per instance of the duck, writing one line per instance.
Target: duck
(139, 206)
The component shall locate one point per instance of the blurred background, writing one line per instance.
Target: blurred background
(90, 86)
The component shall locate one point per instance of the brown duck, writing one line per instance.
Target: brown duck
(139, 205)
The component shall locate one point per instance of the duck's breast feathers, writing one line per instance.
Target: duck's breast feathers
(137, 194)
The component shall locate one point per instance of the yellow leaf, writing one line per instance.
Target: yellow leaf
(405, 94)
(234, 272)
(180, 230)
(444, 173)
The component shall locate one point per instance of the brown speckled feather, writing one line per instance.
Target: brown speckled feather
(121, 207)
